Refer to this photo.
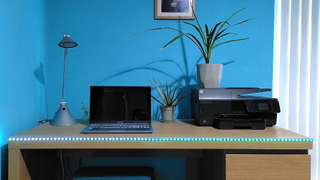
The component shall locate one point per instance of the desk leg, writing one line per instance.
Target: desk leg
(193, 168)
(17, 166)
(212, 165)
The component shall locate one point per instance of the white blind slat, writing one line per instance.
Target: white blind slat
(297, 70)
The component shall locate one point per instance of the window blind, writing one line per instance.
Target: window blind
(296, 70)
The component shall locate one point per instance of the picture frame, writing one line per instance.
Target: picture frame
(174, 9)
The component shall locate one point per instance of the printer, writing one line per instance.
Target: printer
(230, 108)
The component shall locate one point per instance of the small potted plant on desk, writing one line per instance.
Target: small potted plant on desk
(209, 75)
(85, 118)
(169, 99)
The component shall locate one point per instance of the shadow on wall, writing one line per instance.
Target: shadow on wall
(184, 80)
(39, 74)
(4, 162)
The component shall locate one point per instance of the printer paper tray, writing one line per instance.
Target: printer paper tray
(240, 123)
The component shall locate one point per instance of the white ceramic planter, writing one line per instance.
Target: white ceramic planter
(209, 75)
(167, 113)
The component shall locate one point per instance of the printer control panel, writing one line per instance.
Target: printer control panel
(262, 106)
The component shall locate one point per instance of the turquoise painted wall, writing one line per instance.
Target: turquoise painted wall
(22, 58)
(32, 63)
(102, 29)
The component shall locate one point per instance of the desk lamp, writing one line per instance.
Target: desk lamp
(63, 117)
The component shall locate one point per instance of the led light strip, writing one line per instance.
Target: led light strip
(170, 139)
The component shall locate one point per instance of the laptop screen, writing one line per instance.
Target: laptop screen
(120, 103)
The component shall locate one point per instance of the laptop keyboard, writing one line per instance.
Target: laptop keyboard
(120, 126)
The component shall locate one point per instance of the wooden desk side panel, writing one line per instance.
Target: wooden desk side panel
(157, 145)
(17, 166)
(245, 166)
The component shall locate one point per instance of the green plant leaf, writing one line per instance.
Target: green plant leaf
(196, 42)
(174, 39)
(178, 101)
(198, 29)
(225, 22)
(157, 100)
(169, 95)
(234, 40)
(207, 30)
(199, 26)
(208, 40)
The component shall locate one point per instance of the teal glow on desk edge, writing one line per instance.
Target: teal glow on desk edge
(167, 139)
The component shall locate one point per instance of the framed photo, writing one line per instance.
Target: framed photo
(174, 9)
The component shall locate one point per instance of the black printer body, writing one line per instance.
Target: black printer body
(229, 108)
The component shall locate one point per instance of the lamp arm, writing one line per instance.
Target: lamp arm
(64, 71)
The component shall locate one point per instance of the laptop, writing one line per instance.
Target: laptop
(119, 109)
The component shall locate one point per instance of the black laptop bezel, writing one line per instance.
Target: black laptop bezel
(93, 120)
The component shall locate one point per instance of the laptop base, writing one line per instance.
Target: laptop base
(87, 130)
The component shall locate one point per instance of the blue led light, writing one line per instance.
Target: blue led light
(167, 139)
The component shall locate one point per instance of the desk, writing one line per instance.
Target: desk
(273, 153)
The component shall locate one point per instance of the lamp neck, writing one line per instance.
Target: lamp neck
(64, 71)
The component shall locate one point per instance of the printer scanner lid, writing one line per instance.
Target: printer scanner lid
(229, 93)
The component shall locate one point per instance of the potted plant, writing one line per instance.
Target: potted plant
(85, 118)
(208, 40)
(169, 99)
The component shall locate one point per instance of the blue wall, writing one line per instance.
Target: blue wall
(102, 29)
(32, 63)
(22, 55)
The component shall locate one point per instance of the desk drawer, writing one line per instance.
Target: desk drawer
(275, 166)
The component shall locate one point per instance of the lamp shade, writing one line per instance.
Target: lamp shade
(67, 42)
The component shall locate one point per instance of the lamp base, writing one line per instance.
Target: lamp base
(63, 117)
